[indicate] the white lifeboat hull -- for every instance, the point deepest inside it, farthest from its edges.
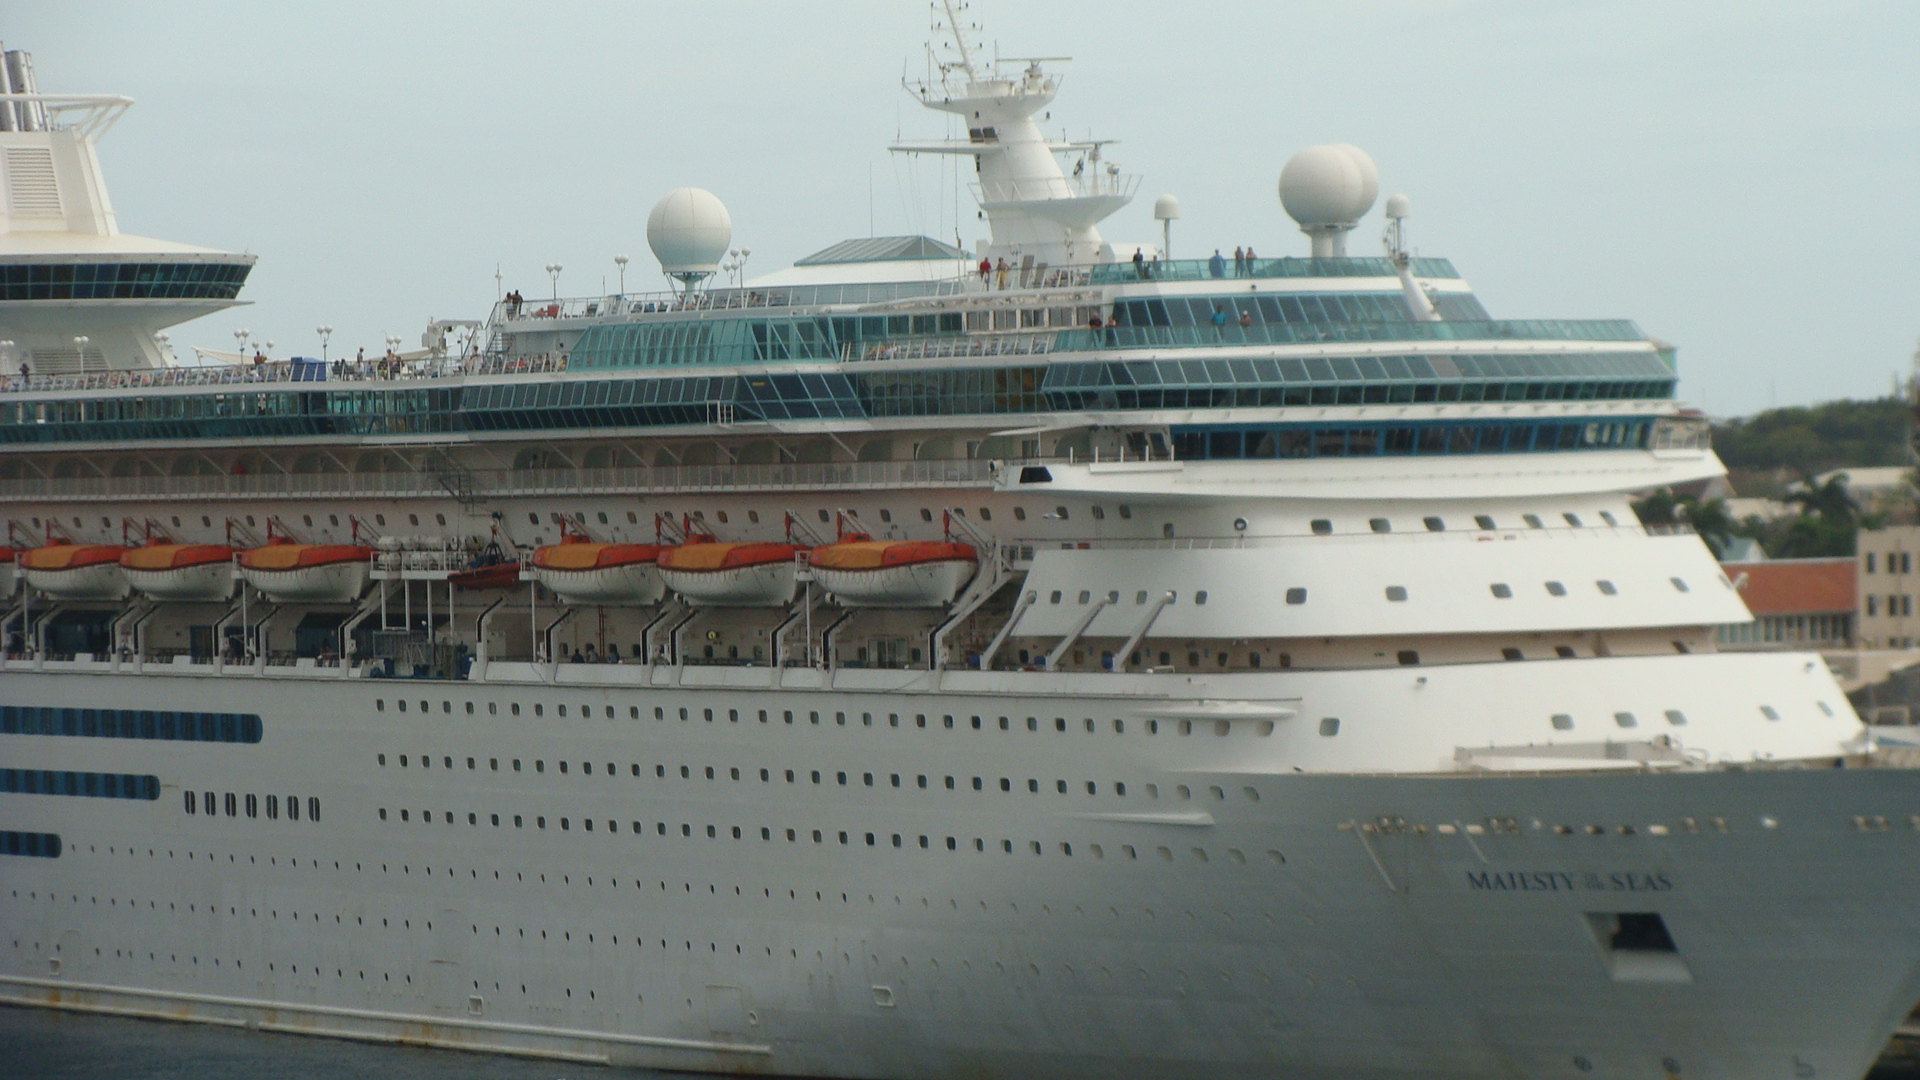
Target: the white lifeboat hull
(765, 585)
(98, 581)
(186, 584)
(926, 584)
(333, 583)
(633, 583)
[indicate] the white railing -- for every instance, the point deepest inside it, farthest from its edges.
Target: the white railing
(486, 483)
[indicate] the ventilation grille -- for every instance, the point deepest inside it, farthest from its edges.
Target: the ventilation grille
(31, 188)
(66, 361)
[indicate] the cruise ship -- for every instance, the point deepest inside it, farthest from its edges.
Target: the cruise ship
(1048, 658)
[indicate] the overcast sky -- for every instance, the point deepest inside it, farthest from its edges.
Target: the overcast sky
(1739, 176)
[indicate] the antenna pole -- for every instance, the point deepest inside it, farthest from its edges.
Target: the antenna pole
(960, 40)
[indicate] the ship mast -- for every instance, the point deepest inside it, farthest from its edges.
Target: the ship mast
(1033, 207)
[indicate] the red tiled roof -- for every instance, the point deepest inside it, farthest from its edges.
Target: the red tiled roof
(1795, 586)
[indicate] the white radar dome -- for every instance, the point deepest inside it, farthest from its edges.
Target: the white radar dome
(1329, 185)
(1398, 207)
(689, 231)
(1166, 208)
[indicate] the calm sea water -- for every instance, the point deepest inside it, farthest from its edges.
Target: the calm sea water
(42, 1044)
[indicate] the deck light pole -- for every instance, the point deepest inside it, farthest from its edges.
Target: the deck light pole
(621, 262)
(240, 338)
(326, 333)
(553, 271)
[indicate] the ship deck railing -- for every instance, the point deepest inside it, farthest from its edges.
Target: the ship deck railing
(506, 483)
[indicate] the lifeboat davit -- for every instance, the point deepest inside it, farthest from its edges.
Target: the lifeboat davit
(582, 572)
(714, 574)
(182, 572)
(310, 573)
(76, 571)
(862, 572)
(9, 570)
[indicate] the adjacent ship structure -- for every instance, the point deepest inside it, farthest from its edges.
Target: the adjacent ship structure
(1027, 661)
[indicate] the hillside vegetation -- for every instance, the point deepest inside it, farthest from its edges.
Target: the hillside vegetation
(1810, 439)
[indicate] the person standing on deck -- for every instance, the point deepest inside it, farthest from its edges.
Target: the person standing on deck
(1217, 266)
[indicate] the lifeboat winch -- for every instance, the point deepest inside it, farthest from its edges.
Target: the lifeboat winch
(863, 572)
(76, 571)
(181, 572)
(310, 573)
(580, 571)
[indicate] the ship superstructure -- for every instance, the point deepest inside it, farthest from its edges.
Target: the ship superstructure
(895, 667)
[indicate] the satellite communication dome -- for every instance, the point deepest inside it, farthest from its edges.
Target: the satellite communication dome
(689, 231)
(1398, 207)
(1166, 208)
(1328, 185)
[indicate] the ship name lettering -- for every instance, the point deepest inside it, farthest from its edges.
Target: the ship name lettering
(1563, 881)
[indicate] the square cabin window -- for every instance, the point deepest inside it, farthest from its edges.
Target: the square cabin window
(1296, 596)
(1533, 521)
(1555, 588)
(1434, 524)
(1397, 593)
(1607, 516)
(1606, 588)
(1485, 521)
(1322, 527)
(1562, 722)
(1572, 519)
(1380, 525)
(1502, 590)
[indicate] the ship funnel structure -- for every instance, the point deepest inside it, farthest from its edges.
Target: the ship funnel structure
(76, 294)
(689, 231)
(1036, 208)
(1327, 189)
(16, 77)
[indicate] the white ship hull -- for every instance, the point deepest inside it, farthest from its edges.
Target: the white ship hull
(1243, 919)
(334, 583)
(927, 584)
(98, 581)
(206, 582)
(630, 584)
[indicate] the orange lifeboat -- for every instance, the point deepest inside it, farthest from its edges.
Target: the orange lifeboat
(76, 571)
(862, 572)
(311, 573)
(580, 571)
(713, 574)
(182, 572)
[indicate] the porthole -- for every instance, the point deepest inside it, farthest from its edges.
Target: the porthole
(1562, 722)
(1485, 521)
(1434, 524)
(926, 514)
(1396, 593)
(1380, 525)
(1200, 597)
(1329, 726)
(1296, 596)
(1020, 513)
(1533, 521)
(1606, 588)
(1625, 719)
(1769, 712)
(1572, 519)
(1502, 590)
(1679, 719)
(1239, 524)
(1555, 588)
(1679, 584)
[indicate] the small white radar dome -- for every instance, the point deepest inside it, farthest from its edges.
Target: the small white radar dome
(1166, 208)
(1329, 185)
(1398, 207)
(689, 231)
